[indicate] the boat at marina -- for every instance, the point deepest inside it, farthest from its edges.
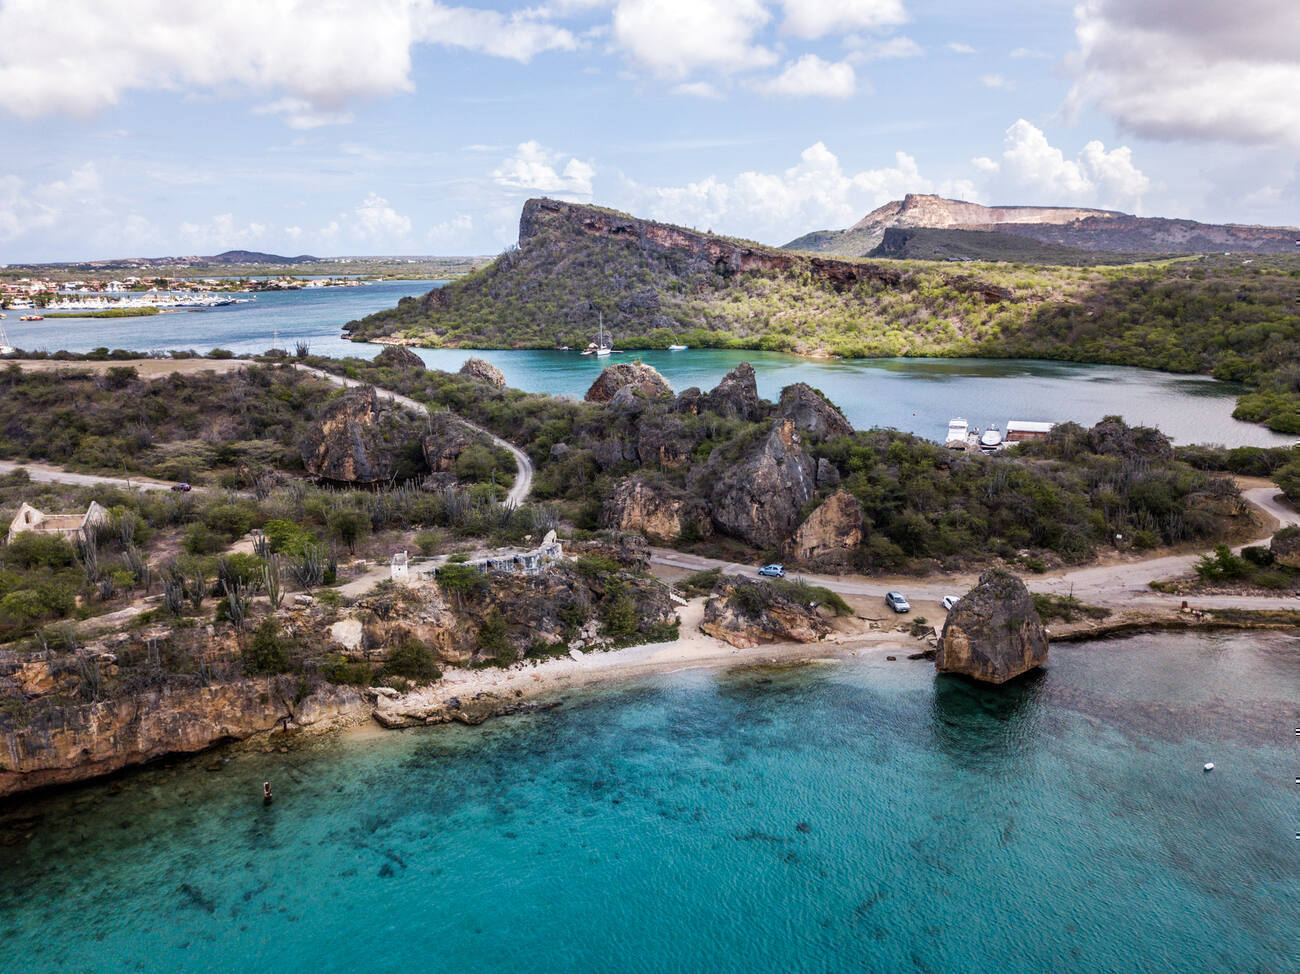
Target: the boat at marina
(958, 430)
(604, 340)
(991, 439)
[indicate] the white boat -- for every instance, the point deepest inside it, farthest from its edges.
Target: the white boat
(604, 340)
(991, 439)
(958, 429)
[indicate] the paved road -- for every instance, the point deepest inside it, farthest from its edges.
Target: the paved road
(523, 484)
(1124, 584)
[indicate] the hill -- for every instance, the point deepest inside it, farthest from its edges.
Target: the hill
(654, 284)
(926, 243)
(255, 257)
(1077, 227)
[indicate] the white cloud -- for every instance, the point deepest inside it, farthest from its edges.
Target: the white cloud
(82, 56)
(816, 18)
(1031, 170)
(895, 47)
(26, 207)
(959, 48)
(697, 89)
(373, 225)
(674, 38)
(811, 76)
(996, 81)
(221, 233)
(301, 114)
(1192, 69)
(536, 169)
(778, 206)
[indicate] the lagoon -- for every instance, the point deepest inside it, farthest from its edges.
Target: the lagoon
(914, 395)
(864, 815)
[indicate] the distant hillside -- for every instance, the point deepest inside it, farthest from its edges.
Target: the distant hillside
(1075, 227)
(254, 257)
(925, 243)
(654, 284)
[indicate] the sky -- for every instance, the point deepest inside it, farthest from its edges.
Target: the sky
(348, 127)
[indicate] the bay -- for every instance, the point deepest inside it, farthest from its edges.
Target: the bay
(915, 395)
(859, 816)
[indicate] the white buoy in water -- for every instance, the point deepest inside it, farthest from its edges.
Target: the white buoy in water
(1209, 766)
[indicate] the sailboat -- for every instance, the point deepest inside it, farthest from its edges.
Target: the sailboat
(677, 348)
(604, 340)
(5, 347)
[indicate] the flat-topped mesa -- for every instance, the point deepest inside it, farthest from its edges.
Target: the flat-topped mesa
(927, 210)
(701, 251)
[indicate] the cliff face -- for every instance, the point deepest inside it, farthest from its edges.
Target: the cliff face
(692, 251)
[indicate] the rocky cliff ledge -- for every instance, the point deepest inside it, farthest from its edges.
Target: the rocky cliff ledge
(994, 634)
(745, 613)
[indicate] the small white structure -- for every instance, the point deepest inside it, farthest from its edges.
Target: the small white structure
(400, 567)
(1019, 430)
(957, 431)
(69, 526)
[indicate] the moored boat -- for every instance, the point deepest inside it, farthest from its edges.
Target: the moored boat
(991, 439)
(958, 429)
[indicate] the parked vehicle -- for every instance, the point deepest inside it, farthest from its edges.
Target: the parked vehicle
(182, 488)
(898, 602)
(772, 571)
(949, 601)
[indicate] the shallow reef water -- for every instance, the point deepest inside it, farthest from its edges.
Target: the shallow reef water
(860, 816)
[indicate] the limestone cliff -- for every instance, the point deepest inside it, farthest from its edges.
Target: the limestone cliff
(642, 380)
(830, 533)
(359, 440)
(758, 497)
(744, 613)
(658, 513)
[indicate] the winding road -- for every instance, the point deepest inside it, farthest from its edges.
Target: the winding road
(523, 484)
(1121, 584)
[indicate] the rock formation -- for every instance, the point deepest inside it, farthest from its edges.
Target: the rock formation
(736, 395)
(636, 505)
(396, 357)
(1286, 547)
(358, 440)
(758, 498)
(993, 634)
(812, 412)
(447, 438)
(830, 533)
(644, 380)
(483, 371)
(744, 613)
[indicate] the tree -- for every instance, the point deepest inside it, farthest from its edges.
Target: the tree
(349, 526)
(1288, 479)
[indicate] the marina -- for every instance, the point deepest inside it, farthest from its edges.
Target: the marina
(962, 436)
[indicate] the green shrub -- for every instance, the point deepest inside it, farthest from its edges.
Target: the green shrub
(267, 651)
(31, 550)
(412, 659)
(494, 639)
(1257, 555)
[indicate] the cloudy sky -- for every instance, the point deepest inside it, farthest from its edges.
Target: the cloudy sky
(152, 127)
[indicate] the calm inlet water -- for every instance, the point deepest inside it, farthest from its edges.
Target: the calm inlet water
(916, 395)
(859, 816)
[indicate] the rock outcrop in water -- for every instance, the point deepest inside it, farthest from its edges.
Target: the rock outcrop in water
(745, 613)
(993, 634)
(359, 440)
(643, 380)
(478, 369)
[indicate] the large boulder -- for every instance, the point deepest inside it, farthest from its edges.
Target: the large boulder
(446, 439)
(736, 395)
(358, 440)
(812, 412)
(758, 497)
(744, 613)
(993, 634)
(637, 505)
(643, 379)
(830, 533)
(396, 357)
(1286, 547)
(1113, 437)
(482, 371)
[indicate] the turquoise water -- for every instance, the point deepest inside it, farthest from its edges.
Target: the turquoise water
(916, 395)
(859, 816)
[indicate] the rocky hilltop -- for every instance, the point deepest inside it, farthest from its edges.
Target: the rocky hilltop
(1059, 226)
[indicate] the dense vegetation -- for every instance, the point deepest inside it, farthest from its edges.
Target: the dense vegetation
(930, 243)
(1235, 319)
